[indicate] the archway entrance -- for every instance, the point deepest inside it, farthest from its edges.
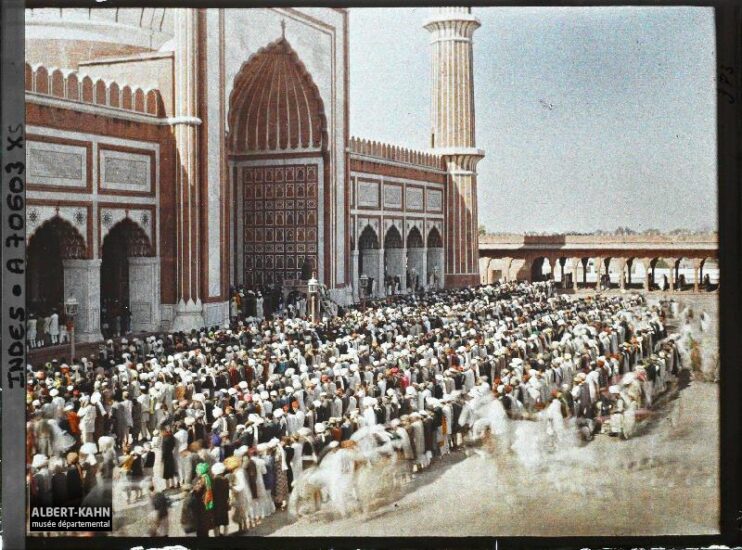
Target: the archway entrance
(125, 241)
(435, 259)
(708, 274)
(278, 146)
(415, 260)
(394, 260)
(541, 269)
(56, 240)
(368, 259)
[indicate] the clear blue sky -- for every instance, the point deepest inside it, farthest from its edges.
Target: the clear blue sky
(630, 139)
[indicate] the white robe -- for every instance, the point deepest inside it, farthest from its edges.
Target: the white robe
(241, 497)
(263, 506)
(54, 325)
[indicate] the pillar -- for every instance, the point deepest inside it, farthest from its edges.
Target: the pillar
(355, 275)
(416, 261)
(575, 263)
(144, 293)
(702, 263)
(507, 264)
(598, 271)
(671, 275)
(371, 261)
(82, 282)
(678, 286)
(452, 137)
(424, 268)
(404, 266)
(696, 274)
(561, 262)
(188, 310)
(647, 265)
(380, 287)
(622, 272)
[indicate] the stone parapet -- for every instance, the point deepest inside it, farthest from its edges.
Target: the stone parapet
(387, 152)
(81, 88)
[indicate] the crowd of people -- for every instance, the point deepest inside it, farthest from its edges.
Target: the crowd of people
(48, 329)
(277, 412)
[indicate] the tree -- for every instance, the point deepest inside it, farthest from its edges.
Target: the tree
(624, 231)
(482, 230)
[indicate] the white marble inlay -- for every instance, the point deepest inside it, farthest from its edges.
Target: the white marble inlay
(368, 193)
(392, 196)
(125, 171)
(56, 164)
(435, 200)
(414, 198)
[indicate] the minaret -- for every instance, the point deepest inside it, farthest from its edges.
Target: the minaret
(452, 117)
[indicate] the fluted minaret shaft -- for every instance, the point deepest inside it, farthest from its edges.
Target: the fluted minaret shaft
(187, 200)
(453, 136)
(452, 107)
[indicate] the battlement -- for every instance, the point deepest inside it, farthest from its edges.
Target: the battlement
(73, 86)
(394, 153)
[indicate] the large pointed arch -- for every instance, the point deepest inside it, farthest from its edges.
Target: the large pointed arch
(131, 236)
(278, 140)
(368, 239)
(49, 245)
(275, 104)
(434, 238)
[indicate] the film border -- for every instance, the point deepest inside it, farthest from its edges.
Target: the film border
(729, 124)
(13, 279)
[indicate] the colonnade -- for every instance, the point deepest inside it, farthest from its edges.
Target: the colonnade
(406, 264)
(572, 272)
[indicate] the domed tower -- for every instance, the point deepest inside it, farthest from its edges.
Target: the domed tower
(452, 137)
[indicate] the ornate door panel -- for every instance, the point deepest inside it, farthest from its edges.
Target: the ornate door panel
(280, 221)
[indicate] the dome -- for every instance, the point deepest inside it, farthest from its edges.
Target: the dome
(65, 37)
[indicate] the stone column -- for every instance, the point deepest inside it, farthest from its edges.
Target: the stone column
(562, 261)
(442, 272)
(700, 269)
(671, 275)
(622, 273)
(678, 286)
(381, 288)
(188, 310)
(403, 267)
(416, 261)
(553, 266)
(507, 263)
(371, 261)
(647, 265)
(354, 259)
(696, 274)
(598, 271)
(82, 282)
(144, 293)
(424, 268)
(575, 263)
(452, 136)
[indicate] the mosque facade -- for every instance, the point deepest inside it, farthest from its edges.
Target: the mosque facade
(175, 154)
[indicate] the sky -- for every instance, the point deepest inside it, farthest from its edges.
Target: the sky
(590, 118)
